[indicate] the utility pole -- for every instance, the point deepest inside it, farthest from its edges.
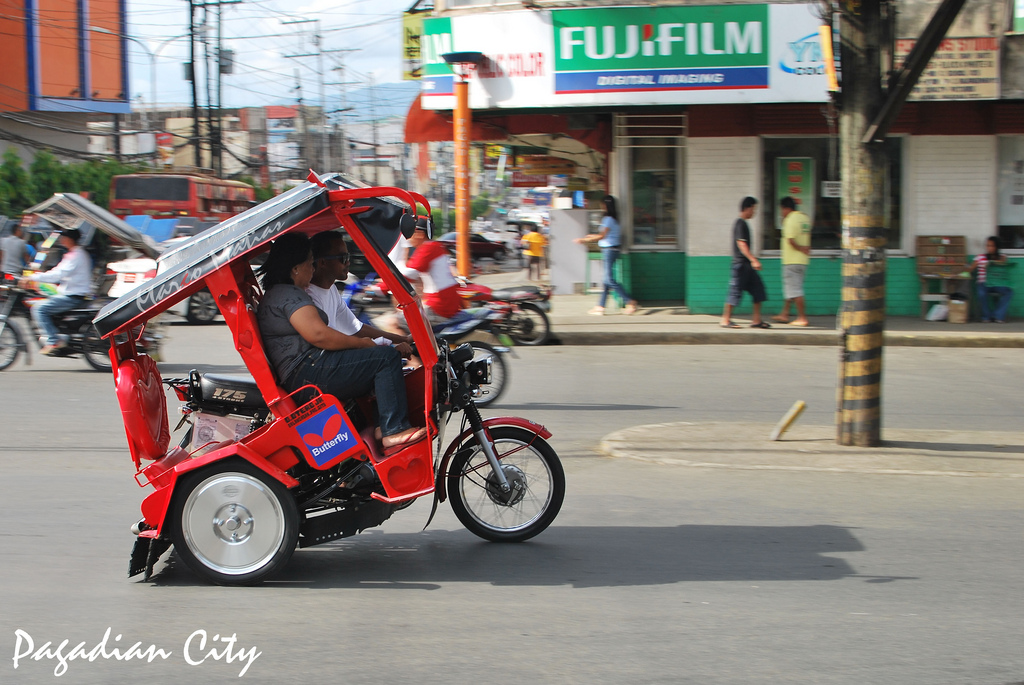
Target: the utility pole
(862, 318)
(322, 157)
(343, 107)
(195, 87)
(373, 110)
(866, 115)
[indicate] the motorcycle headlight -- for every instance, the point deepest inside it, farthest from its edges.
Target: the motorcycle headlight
(480, 371)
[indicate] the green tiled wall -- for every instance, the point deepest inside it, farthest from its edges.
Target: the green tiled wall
(707, 281)
(655, 276)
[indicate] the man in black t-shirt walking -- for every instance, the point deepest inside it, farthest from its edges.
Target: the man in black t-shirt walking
(744, 270)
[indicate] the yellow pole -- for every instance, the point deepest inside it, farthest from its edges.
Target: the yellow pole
(462, 126)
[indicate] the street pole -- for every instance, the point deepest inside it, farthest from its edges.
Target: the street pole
(862, 317)
(462, 126)
(198, 158)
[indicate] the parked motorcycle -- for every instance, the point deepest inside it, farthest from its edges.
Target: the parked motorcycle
(264, 470)
(83, 339)
(525, 306)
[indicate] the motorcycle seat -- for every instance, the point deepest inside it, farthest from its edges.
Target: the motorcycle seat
(518, 293)
(232, 391)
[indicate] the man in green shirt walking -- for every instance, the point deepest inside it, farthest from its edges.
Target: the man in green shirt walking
(796, 250)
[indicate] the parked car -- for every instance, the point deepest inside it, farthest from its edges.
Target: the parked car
(479, 246)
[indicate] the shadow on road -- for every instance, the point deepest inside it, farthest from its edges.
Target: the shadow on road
(566, 406)
(580, 556)
(953, 446)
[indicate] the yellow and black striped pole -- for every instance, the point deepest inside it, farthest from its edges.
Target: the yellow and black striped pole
(864, 176)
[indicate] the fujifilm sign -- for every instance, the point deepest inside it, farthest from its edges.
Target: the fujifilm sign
(636, 55)
(673, 48)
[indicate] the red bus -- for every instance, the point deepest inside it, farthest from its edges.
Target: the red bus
(172, 195)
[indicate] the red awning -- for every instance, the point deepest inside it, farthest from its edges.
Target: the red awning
(424, 125)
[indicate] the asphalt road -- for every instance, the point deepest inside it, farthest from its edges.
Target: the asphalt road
(650, 574)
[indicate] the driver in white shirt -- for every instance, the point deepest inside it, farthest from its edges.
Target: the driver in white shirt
(73, 277)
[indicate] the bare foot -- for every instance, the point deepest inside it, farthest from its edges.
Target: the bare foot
(408, 436)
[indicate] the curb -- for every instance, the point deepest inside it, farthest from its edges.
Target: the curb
(823, 339)
(739, 447)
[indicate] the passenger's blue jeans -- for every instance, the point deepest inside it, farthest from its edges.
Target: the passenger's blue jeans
(609, 255)
(1004, 293)
(44, 312)
(348, 374)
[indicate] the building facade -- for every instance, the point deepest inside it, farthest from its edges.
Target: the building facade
(685, 109)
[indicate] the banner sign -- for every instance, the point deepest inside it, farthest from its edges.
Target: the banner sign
(661, 48)
(521, 180)
(412, 29)
(960, 69)
(794, 177)
(630, 56)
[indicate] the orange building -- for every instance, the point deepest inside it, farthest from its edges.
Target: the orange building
(53, 60)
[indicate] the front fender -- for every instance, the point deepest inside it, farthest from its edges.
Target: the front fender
(441, 484)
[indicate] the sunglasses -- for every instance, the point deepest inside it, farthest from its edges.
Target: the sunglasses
(343, 258)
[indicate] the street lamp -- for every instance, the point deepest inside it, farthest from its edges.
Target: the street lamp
(462, 64)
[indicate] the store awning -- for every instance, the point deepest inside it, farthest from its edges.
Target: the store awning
(424, 125)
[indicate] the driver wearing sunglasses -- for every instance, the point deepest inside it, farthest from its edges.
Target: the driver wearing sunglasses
(330, 264)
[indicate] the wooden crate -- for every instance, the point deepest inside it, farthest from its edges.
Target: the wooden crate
(941, 255)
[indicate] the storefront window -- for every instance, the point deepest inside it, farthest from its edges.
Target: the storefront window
(1011, 192)
(807, 169)
(655, 205)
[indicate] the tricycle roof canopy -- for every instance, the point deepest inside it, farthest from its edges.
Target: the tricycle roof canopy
(304, 208)
(78, 207)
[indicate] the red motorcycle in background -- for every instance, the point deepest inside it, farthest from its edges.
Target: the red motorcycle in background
(525, 306)
(260, 471)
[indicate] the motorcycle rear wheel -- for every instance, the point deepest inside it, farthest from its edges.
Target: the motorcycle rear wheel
(95, 349)
(532, 469)
(10, 345)
(530, 325)
(499, 372)
(233, 524)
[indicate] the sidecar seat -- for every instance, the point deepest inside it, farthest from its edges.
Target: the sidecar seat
(140, 394)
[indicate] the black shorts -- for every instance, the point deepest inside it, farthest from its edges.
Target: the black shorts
(745, 278)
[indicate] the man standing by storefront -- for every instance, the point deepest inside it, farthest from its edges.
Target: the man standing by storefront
(744, 270)
(796, 250)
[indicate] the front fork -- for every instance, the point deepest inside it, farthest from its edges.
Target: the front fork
(483, 437)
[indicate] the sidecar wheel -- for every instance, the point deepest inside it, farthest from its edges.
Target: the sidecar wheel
(532, 469)
(234, 524)
(202, 308)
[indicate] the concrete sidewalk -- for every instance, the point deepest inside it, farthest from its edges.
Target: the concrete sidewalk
(675, 325)
(814, 448)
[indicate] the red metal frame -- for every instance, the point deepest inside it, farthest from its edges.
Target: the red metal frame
(273, 447)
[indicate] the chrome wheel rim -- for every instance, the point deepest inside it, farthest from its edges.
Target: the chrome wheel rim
(233, 523)
(528, 474)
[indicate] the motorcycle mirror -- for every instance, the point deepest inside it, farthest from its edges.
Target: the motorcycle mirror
(407, 225)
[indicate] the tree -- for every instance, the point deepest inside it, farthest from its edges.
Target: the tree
(48, 176)
(15, 191)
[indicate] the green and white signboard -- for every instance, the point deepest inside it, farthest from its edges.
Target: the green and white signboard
(640, 55)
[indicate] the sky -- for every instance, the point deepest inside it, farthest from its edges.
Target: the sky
(259, 33)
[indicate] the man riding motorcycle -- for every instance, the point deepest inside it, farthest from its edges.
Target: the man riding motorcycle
(73, 276)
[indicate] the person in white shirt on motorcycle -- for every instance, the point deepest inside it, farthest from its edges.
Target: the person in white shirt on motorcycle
(73, 276)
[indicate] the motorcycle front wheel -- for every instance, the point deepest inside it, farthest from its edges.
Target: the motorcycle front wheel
(530, 466)
(95, 349)
(233, 524)
(10, 345)
(529, 325)
(499, 372)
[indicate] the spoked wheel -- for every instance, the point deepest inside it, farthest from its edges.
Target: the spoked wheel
(202, 309)
(533, 470)
(499, 372)
(95, 349)
(234, 524)
(529, 325)
(10, 345)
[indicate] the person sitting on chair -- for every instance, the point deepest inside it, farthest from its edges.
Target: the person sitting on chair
(304, 350)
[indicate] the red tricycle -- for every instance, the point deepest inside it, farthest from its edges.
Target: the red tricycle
(261, 470)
